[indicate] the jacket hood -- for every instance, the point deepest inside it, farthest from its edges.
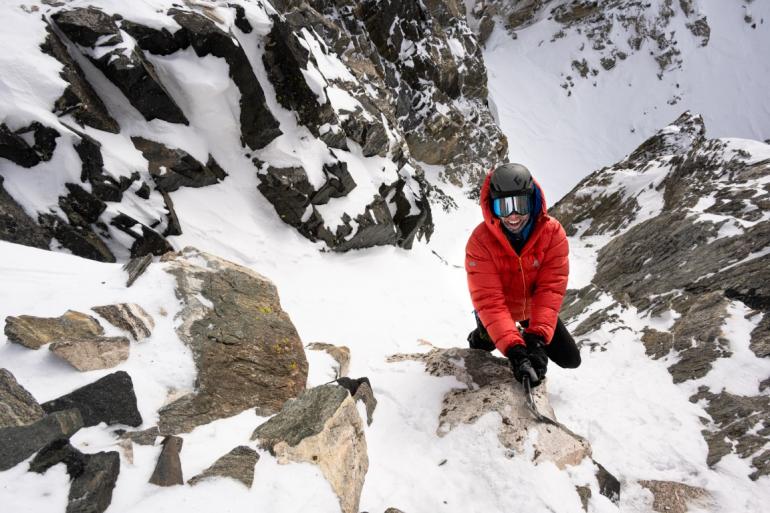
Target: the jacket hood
(493, 222)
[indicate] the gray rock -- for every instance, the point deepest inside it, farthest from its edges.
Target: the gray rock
(135, 267)
(34, 332)
(168, 470)
(91, 492)
(16, 149)
(81, 241)
(16, 226)
(18, 443)
(59, 451)
(110, 400)
(237, 464)
(361, 390)
(491, 387)
(609, 486)
(129, 317)
(17, 406)
(172, 168)
(322, 427)
(585, 495)
(247, 351)
(341, 355)
(146, 240)
(87, 354)
(145, 437)
(672, 497)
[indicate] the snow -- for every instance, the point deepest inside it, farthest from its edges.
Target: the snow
(384, 300)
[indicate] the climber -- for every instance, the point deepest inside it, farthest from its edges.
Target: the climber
(517, 265)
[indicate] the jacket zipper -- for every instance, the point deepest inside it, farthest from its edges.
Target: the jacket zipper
(524, 281)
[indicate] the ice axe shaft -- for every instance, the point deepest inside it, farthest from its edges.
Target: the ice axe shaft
(526, 377)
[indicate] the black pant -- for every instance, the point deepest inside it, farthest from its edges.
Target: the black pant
(562, 350)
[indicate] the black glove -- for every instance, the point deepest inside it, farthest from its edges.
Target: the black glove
(536, 354)
(521, 366)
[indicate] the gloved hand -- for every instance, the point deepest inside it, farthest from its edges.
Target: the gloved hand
(536, 354)
(521, 366)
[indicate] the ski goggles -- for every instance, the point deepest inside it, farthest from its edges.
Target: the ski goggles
(503, 207)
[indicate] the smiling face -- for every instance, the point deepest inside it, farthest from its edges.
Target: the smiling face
(515, 222)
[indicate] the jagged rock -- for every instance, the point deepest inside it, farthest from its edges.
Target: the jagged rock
(146, 240)
(14, 148)
(145, 437)
(321, 427)
(91, 492)
(17, 406)
(135, 267)
(103, 186)
(174, 227)
(79, 98)
(168, 470)
(609, 486)
(59, 451)
(129, 317)
(34, 332)
(81, 241)
(341, 355)
(672, 497)
(491, 387)
(127, 68)
(289, 190)
(584, 492)
(734, 428)
(375, 227)
(110, 399)
(258, 126)
(80, 206)
(237, 464)
(16, 226)
(172, 168)
(87, 354)
(361, 390)
(17, 443)
(247, 351)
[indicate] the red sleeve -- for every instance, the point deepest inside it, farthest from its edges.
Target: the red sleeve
(550, 286)
(487, 296)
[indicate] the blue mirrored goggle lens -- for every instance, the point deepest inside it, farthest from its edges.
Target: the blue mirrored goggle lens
(503, 207)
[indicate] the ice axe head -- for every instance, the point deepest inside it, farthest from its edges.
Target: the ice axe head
(528, 374)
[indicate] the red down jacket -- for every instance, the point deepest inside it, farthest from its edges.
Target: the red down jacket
(506, 287)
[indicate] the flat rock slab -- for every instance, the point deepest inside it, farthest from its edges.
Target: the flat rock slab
(168, 470)
(87, 354)
(129, 317)
(20, 442)
(492, 388)
(237, 464)
(110, 399)
(17, 406)
(322, 427)
(246, 350)
(91, 492)
(35, 332)
(673, 497)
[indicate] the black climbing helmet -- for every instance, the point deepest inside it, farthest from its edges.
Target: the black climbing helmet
(510, 180)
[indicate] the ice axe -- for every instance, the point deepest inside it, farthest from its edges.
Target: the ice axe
(528, 375)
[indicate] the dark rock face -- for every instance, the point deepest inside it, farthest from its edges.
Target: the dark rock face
(18, 443)
(14, 148)
(81, 241)
(110, 399)
(129, 70)
(16, 226)
(246, 349)
(172, 168)
(168, 471)
(237, 464)
(79, 98)
(258, 126)
(91, 492)
(59, 451)
(17, 406)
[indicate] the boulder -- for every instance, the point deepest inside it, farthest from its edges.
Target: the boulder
(168, 470)
(16, 226)
(110, 399)
(17, 406)
(322, 427)
(59, 451)
(87, 354)
(172, 168)
(341, 355)
(492, 388)
(35, 332)
(237, 464)
(247, 351)
(17, 443)
(91, 491)
(81, 241)
(16, 149)
(146, 240)
(672, 497)
(361, 390)
(129, 317)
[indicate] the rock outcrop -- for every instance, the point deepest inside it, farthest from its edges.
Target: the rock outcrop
(18, 443)
(322, 427)
(17, 406)
(129, 317)
(247, 351)
(672, 497)
(237, 464)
